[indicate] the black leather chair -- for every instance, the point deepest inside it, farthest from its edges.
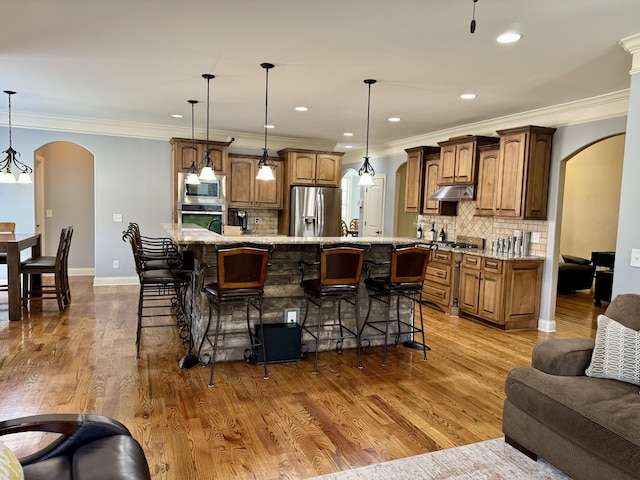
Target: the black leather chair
(340, 268)
(575, 273)
(242, 270)
(408, 266)
(90, 447)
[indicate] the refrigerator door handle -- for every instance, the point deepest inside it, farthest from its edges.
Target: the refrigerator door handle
(320, 214)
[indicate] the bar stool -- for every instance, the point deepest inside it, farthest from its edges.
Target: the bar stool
(405, 279)
(163, 284)
(6, 227)
(340, 268)
(242, 269)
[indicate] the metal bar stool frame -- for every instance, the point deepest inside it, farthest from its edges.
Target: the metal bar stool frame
(163, 284)
(237, 284)
(408, 266)
(338, 280)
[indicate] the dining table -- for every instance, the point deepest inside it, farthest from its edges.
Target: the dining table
(12, 244)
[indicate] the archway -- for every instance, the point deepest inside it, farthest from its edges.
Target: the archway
(64, 195)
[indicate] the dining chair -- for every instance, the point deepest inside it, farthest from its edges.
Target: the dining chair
(338, 279)
(52, 265)
(408, 265)
(6, 227)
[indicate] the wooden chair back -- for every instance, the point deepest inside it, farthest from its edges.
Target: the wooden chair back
(341, 265)
(409, 264)
(7, 227)
(242, 267)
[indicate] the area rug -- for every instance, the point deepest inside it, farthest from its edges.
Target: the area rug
(490, 460)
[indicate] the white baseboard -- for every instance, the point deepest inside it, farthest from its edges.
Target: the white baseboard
(80, 272)
(546, 325)
(111, 281)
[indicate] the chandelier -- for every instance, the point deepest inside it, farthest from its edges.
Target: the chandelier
(6, 176)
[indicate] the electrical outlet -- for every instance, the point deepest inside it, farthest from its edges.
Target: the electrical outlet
(257, 220)
(116, 264)
(117, 217)
(635, 257)
(535, 237)
(291, 315)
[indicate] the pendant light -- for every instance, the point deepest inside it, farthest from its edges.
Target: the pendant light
(265, 165)
(207, 172)
(192, 173)
(367, 172)
(6, 176)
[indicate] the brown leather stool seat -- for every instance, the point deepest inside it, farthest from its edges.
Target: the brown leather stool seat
(408, 266)
(242, 270)
(339, 271)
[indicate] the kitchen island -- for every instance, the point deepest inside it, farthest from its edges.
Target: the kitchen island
(282, 286)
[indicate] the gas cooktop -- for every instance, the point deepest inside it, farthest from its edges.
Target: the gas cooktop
(462, 242)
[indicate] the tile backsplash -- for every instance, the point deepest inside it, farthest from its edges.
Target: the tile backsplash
(489, 228)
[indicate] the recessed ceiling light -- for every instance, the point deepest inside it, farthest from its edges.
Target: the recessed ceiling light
(348, 134)
(394, 119)
(269, 126)
(468, 96)
(301, 109)
(176, 115)
(348, 146)
(509, 37)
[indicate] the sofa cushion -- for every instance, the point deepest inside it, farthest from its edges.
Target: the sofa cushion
(616, 353)
(625, 309)
(599, 415)
(10, 468)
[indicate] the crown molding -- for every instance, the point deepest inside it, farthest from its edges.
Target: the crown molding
(632, 45)
(610, 105)
(93, 126)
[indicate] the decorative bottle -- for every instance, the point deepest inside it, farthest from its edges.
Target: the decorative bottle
(419, 232)
(441, 235)
(432, 233)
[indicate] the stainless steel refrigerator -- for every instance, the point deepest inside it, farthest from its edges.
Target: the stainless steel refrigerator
(315, 212)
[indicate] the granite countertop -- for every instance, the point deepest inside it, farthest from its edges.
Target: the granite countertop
(185, 234)
(489, 254)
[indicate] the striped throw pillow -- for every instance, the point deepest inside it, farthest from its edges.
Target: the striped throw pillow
(10, 468)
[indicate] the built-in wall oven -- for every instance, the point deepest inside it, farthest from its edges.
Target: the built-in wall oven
(206, 215)
(202, 204)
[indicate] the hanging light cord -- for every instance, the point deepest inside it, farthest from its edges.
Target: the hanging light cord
(193, 138)
(207, 158)
(266, 66)
(366, 153)
(473, 18)
(9, 93)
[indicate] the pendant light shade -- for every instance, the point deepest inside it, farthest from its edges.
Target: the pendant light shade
(192, 173)
(265, 165)
(207, 172)
(11, 160)
(367, 172)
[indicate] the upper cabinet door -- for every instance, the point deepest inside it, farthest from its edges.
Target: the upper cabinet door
(414, 182)
(240, 182)
(487, 179)
(511, 175)
(268, 193)
(447, 165)
(303, 168)
(218, 155)
(328, 169)
(465, 163)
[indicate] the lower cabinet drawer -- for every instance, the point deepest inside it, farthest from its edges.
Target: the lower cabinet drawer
(438, 273)
(436, 293)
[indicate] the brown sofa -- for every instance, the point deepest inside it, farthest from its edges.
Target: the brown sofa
(587, 427)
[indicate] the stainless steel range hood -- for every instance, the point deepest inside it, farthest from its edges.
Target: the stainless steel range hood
(453, 193)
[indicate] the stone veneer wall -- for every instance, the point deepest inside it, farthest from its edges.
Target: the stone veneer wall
(489, 228)
(282, 290)
(267, 222)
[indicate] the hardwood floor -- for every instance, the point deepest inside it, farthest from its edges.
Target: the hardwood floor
(294, 425)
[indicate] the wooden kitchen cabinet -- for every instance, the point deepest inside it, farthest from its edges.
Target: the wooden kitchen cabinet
(438, 281)
(487, 179)
(458, 159)
(503, 292)
(307, 167)
(245, 191)
(183, 154)
(422, 182)
(523, 172)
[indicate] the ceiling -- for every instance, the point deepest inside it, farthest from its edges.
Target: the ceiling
(138, 62)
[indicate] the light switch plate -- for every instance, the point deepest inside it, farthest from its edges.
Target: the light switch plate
(635, 257)
(117, 217)
(535, 237)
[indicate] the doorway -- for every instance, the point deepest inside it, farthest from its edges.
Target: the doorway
(373, 214)
(64, 195)
(351, 201)
(590, 204)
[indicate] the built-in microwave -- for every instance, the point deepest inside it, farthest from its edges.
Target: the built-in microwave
(207, 191)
